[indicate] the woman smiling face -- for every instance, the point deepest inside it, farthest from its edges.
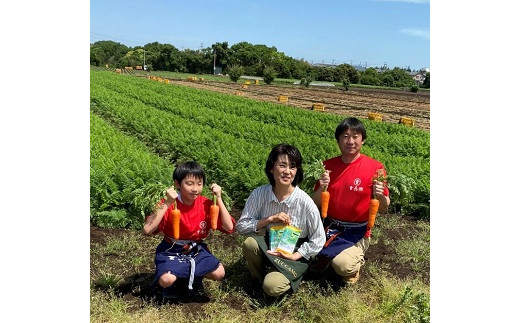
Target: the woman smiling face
(283, 171)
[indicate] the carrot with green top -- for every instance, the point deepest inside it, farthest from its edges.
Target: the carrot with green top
(374, 206)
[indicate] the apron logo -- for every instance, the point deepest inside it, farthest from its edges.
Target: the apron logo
(281, 263)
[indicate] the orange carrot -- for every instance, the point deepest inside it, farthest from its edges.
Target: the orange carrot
(213, 213)
(374, 205)
(372, 212)
(176, 220)
(325, 198)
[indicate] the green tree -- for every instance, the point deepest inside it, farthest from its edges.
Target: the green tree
(347, 70)
(169, 58)
(426, 82)
(387, 79)
(282, 65)
(222, 55)
(96, 56)
(133, 57)
(306, 80)
(269, 75)
(107, 52)
(253, 58)
(326, 74)
(198, 61)
(370, 77)
(346, 83)
(402, 78)
(235, 72)
(299, 68)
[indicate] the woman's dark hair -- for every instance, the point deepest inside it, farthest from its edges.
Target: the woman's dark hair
(354, 125)
(188, 168)
(295, 158)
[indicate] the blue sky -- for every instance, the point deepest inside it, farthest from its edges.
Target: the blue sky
(358, 32)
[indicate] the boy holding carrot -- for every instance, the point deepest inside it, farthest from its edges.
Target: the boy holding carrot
(187, 256)
(354, 182)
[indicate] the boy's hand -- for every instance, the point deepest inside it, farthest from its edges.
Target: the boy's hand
(171, 195)
(217, 190)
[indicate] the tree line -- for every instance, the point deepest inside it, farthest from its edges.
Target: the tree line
(243, 59)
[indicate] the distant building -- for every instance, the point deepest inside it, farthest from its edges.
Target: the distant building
(323, 65)
(420, 76)
(360, 68)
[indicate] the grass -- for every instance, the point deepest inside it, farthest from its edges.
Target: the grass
(415, 250)
(126, 259)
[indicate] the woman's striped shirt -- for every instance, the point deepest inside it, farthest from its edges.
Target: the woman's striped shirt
(304, 214)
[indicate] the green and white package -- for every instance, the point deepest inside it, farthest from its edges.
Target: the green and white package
(275, 235)
(289, 239)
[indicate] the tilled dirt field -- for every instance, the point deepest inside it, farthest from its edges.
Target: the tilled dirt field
(392, 104)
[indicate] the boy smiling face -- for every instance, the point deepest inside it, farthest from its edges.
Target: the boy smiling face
(190, 187)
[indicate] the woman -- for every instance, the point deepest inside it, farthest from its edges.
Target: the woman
(280, 203)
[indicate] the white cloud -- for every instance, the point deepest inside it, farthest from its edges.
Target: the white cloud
(416, 32)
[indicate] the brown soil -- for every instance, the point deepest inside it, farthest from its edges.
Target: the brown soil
(136, 289)
(357, 102)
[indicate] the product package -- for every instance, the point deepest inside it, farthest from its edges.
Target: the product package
(275, 235)
(288, 239)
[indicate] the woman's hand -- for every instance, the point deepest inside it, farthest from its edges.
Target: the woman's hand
(279, 217)
(292, 256)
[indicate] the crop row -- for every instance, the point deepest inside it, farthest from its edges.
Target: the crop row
(394, 139)
(121, 169)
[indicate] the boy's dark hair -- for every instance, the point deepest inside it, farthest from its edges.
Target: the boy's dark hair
(188, 168)
(354, 125)
(295, 158)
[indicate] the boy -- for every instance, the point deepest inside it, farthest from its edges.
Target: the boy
(188, 256)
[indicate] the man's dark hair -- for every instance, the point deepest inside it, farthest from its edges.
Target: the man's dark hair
(354, 125)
